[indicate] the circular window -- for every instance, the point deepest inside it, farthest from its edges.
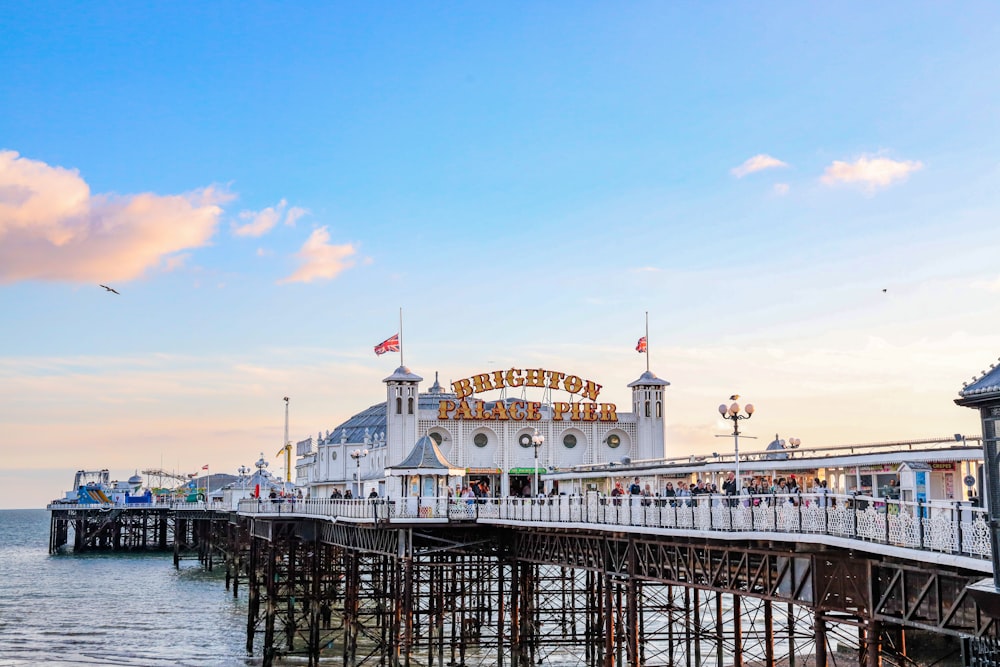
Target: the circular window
(570, 441)
(436, 437)
(480, 440)
(524, 440)
(614, 441)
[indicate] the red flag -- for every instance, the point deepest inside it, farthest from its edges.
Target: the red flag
(388, 345)
(640, 347)
(205, 467)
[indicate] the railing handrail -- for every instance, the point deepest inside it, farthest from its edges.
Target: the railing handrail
(953, 527)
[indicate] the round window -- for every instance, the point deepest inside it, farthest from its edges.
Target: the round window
(614, 441)
(570, 441)
(480, 440)
(436, 437)
(524, 440)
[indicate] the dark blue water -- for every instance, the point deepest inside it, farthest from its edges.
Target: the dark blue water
(130, 610)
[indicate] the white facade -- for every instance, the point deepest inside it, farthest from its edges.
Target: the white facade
(499, 451)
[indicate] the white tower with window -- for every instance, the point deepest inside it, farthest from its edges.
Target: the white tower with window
(401, 408)
(647, 404)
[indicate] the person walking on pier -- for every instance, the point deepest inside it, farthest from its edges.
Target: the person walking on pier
(730, 489)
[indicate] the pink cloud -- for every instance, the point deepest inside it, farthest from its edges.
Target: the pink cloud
(871, 173)
(53, 228)
(318, 259)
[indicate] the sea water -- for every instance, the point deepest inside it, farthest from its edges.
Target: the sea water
(111, 609)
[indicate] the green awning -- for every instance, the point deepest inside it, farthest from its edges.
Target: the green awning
(526, 471)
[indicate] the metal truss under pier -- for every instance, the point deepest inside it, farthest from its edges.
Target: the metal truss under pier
(521, 595)
(197, 533)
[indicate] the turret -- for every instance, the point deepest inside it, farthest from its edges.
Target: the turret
(401, 408)
(647, 404)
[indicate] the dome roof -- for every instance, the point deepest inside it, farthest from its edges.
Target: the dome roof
(649, 379)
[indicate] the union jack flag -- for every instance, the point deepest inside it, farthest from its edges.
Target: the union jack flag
(640, 347)
(388, 345)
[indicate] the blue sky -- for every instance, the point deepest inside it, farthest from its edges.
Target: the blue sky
(267, 184)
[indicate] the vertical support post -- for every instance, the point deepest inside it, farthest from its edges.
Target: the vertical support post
(819, 624)
(738, 630)
(768, 634)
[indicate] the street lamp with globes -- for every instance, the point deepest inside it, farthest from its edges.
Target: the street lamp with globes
(357, 455)
(732, 412)
(537, 440)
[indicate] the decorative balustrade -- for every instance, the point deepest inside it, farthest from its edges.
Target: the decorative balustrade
(939, 526)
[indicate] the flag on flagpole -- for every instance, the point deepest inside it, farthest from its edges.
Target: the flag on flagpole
(205, 467)
(388, 345)
(640, 347)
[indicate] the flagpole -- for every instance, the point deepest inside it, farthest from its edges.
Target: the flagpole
(401, 336)
(647, 341)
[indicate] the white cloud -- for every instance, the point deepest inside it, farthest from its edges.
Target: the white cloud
(294, 213)
(757, 163)
(53, 228)
(261, 222)
(781, 189)
(871, 173)
(319, 259)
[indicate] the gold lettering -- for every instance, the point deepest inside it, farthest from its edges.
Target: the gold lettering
(516, 410)
(590, 412)
(513, 377)
(462, 410)
(444, 407)
(498, 379)
(558, 408)
(500, 411)
(481, 382)
(462, 388)
(591, 390)
(480, 413)
(534, 411)
(573, 384)
(575, 414)
(554, 377)
(609, 412)
(536, 377)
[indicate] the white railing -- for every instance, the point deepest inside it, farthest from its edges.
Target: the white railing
(939, 526)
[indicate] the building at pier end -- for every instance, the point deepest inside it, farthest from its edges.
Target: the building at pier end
(502, 427)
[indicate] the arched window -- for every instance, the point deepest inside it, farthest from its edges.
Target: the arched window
(647, 409)
(659, 409)
(399, 405)
(409, 405)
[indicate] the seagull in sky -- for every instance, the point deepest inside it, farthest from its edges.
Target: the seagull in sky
(884, 290)
(110, 289)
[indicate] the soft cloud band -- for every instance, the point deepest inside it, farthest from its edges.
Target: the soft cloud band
(321, 260)
(757, 163)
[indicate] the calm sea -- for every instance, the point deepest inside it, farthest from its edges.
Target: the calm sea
(110, 609)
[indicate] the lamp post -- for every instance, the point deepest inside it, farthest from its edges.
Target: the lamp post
(357, 455)
(732, 412)
(537, 440)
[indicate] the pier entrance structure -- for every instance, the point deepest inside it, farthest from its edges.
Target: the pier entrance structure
(574, 581)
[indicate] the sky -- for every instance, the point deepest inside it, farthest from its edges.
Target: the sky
(803, 197)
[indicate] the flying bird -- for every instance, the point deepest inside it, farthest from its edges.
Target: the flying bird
(110, 289)
(734, 397)
(884, 290)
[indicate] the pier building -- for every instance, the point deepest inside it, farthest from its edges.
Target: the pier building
(503, 427)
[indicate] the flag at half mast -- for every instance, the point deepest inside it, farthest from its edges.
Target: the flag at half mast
(390, 344)
(640, 347)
